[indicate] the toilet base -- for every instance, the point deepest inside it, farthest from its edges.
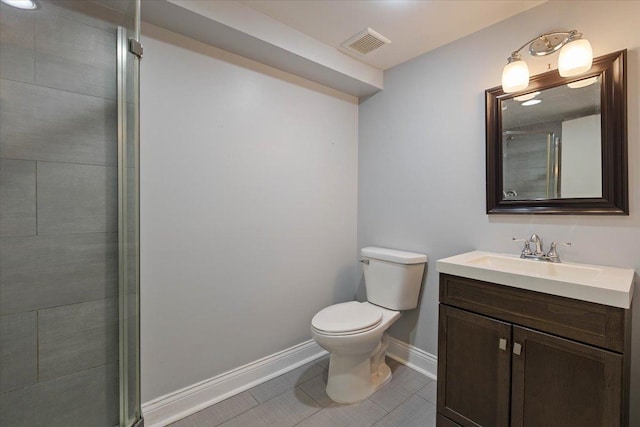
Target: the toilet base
(341, 393)
(353, 378)
(381, 378)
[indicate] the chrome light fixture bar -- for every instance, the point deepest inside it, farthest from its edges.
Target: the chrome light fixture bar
(576, 57)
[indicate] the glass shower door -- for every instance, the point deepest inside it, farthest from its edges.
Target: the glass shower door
(531, 163)
(69, 214)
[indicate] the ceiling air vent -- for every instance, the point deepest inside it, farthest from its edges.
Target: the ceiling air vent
(365, 42)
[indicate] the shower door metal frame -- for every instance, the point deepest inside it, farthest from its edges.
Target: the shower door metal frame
(128, 287)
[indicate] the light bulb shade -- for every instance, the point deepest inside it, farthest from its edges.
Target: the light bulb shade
(575, 58)
(515, 76)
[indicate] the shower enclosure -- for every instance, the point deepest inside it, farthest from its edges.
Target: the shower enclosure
(69, 269)
(531, 163)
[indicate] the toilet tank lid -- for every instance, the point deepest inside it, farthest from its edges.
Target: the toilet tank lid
(393, 255)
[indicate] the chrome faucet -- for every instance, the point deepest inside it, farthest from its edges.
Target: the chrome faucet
(536, 240)
(538, 254)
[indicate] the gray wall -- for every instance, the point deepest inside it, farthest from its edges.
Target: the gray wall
(421, 158)
(58, 219)
(248, 209)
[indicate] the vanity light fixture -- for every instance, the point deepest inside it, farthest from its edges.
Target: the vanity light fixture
(576, 57)
(21, 4)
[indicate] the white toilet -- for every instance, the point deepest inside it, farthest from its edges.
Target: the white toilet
(355, 333)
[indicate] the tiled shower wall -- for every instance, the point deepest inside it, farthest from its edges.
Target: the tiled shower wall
(58, 219)
(528, 178)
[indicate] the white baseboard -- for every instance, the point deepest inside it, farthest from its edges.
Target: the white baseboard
(176, 405)
(413, 357)
(171, 407)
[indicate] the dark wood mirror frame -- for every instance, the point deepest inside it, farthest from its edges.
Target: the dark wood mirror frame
(615, 194)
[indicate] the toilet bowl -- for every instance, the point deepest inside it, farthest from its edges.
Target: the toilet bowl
(355, 333)
(357, 365)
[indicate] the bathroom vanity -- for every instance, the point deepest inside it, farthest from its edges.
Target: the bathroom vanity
(525, 343)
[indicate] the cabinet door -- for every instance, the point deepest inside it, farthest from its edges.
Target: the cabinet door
(474, 368)
(563, 383)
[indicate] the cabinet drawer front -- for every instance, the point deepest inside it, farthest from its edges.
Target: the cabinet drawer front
(591, 323)
(573, 384)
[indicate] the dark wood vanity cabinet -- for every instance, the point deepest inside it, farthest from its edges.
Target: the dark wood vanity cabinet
(513, 357)
(477, 377)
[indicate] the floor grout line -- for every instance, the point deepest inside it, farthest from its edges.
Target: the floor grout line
(386, 412)
(243, 412)
(320, 408)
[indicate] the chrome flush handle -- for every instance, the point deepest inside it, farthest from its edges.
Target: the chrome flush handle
(365, 261)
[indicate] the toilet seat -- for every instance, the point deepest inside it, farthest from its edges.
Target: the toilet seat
(347, 318)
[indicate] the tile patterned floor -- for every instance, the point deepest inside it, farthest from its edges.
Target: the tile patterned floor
(298, 398)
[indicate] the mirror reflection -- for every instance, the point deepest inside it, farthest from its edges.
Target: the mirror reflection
(551, 143)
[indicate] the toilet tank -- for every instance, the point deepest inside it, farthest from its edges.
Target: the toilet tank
(393, 278)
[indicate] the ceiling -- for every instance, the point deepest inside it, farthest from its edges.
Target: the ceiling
(413, 26)
(557, 104)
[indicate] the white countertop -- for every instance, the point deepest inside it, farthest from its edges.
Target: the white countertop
(594, 283)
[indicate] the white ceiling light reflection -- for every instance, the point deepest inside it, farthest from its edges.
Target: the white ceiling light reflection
(531, 102)
(21, 4)
(528, 96)
(583, 83)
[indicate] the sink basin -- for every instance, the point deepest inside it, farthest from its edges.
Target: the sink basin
(563, 272)
(594, 283)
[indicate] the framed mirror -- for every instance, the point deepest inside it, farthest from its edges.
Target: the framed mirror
(560, 145)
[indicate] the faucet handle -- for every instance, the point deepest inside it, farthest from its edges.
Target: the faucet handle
(526, 250)
(554, 244)
(553, 253)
